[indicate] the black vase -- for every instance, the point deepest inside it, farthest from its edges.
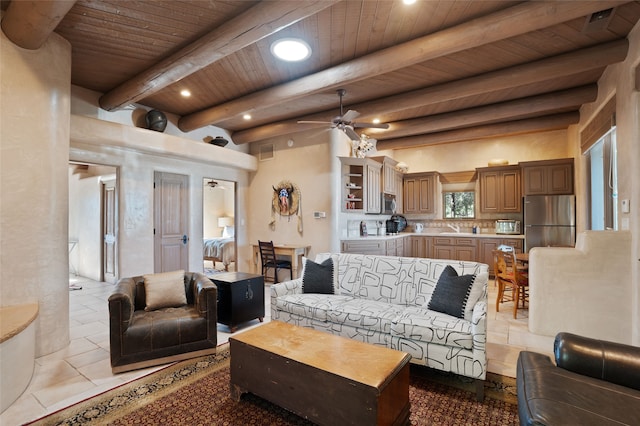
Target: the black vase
(156, 120)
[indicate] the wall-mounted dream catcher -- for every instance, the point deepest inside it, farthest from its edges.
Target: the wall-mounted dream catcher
(286, 202)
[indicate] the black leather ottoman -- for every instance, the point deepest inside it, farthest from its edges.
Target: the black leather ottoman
(551, 395)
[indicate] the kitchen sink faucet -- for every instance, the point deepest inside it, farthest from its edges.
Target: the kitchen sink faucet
(454, 227)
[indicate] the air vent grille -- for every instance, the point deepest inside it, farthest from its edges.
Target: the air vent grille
(266, 152)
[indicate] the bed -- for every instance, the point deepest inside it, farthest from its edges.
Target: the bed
(221, 250)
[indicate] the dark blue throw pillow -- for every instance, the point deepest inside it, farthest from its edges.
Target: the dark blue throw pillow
(318, 277)
(451, 293)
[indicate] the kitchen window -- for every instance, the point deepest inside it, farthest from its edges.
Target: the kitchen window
(459, 205)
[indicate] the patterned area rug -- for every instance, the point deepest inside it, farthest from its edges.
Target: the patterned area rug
(197, 392)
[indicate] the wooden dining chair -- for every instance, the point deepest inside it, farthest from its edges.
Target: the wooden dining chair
(270, 261)
(510, 276)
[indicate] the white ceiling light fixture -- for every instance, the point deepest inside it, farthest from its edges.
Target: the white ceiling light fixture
(408, 1)
(185, 93)
(247, 116)
(291, 49)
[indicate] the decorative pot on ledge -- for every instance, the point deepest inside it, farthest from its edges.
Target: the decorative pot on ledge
(156, 120)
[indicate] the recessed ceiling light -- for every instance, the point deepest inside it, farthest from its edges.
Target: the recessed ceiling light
(291, 49)
(247, 116)
(185, 93)
(376, 121)
(408, 1)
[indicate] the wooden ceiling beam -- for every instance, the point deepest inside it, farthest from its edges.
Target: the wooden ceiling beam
(528, 107)
(520, 75)
(262, 20)
(531, 125)
(519, 19)
(29, 24)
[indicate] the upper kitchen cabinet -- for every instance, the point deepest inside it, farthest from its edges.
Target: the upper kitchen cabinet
(389, 173)
(399, 193)
(548, 177)
(360, 185)
(500, 190)
(420, 192)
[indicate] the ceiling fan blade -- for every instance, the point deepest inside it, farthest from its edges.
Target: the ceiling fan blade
(350, 115)
(370, 125)
(351, 133)
(313, 122)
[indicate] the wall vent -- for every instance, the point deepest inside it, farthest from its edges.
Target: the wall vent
(598, 21)
(266, 152)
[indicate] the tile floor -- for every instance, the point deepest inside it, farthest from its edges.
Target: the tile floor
(82, 369)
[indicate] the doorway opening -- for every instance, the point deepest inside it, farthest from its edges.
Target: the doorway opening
(218, 225)
(93, 221)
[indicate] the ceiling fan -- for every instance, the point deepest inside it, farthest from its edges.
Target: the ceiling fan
(345, 121)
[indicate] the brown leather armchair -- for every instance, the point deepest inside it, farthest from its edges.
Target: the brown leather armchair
(593, 382)
(140, 338)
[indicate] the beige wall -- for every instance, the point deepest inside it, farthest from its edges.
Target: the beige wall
(101, 142)
(34, 151)
(470, 155)
(310, 163)
(619, 80)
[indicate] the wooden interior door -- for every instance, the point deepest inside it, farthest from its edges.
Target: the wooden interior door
(170, 222)
(109, 232)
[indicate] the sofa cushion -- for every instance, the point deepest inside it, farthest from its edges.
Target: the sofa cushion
(367, 314)
(478, 289)
(420, 323)
(451, 293)
(310, 305)
(318, 277)
(164, 290)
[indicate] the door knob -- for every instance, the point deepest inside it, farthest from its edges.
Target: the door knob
(184, 239)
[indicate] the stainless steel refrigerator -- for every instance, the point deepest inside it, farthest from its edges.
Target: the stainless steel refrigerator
(549, 221)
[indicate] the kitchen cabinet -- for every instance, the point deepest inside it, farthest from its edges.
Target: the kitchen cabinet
(399, 193)
(385, 247)
(455, 248)
(378, 247)
(420, 192)
(487, 245)
(360, 185)
(395, 247)
(419, 246)
(548, 177)
(389, 172)
(373, 200)
(500, 190)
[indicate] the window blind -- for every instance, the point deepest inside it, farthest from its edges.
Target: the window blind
(599, 125)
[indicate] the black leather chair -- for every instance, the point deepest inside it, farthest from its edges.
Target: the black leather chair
(594, 382)
(270, 261)
(140, 338)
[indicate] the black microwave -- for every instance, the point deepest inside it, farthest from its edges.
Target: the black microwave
(389, 205)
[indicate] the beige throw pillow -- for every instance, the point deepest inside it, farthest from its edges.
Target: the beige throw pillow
(164, 290)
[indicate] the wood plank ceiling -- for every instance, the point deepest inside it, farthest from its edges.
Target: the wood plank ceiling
(436, 71)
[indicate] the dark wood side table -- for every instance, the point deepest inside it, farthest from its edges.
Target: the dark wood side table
(240, 298)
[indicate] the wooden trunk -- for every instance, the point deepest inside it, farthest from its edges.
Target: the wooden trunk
(324, 378)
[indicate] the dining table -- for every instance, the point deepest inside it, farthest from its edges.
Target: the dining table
(522, 257)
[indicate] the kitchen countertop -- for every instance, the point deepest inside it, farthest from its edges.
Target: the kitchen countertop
(431, 234)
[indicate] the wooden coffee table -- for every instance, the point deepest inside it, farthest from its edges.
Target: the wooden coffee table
(327, 379)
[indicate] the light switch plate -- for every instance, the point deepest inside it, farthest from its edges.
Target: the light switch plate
(624, 206)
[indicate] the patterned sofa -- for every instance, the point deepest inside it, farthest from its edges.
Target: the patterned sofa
(381, 300)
